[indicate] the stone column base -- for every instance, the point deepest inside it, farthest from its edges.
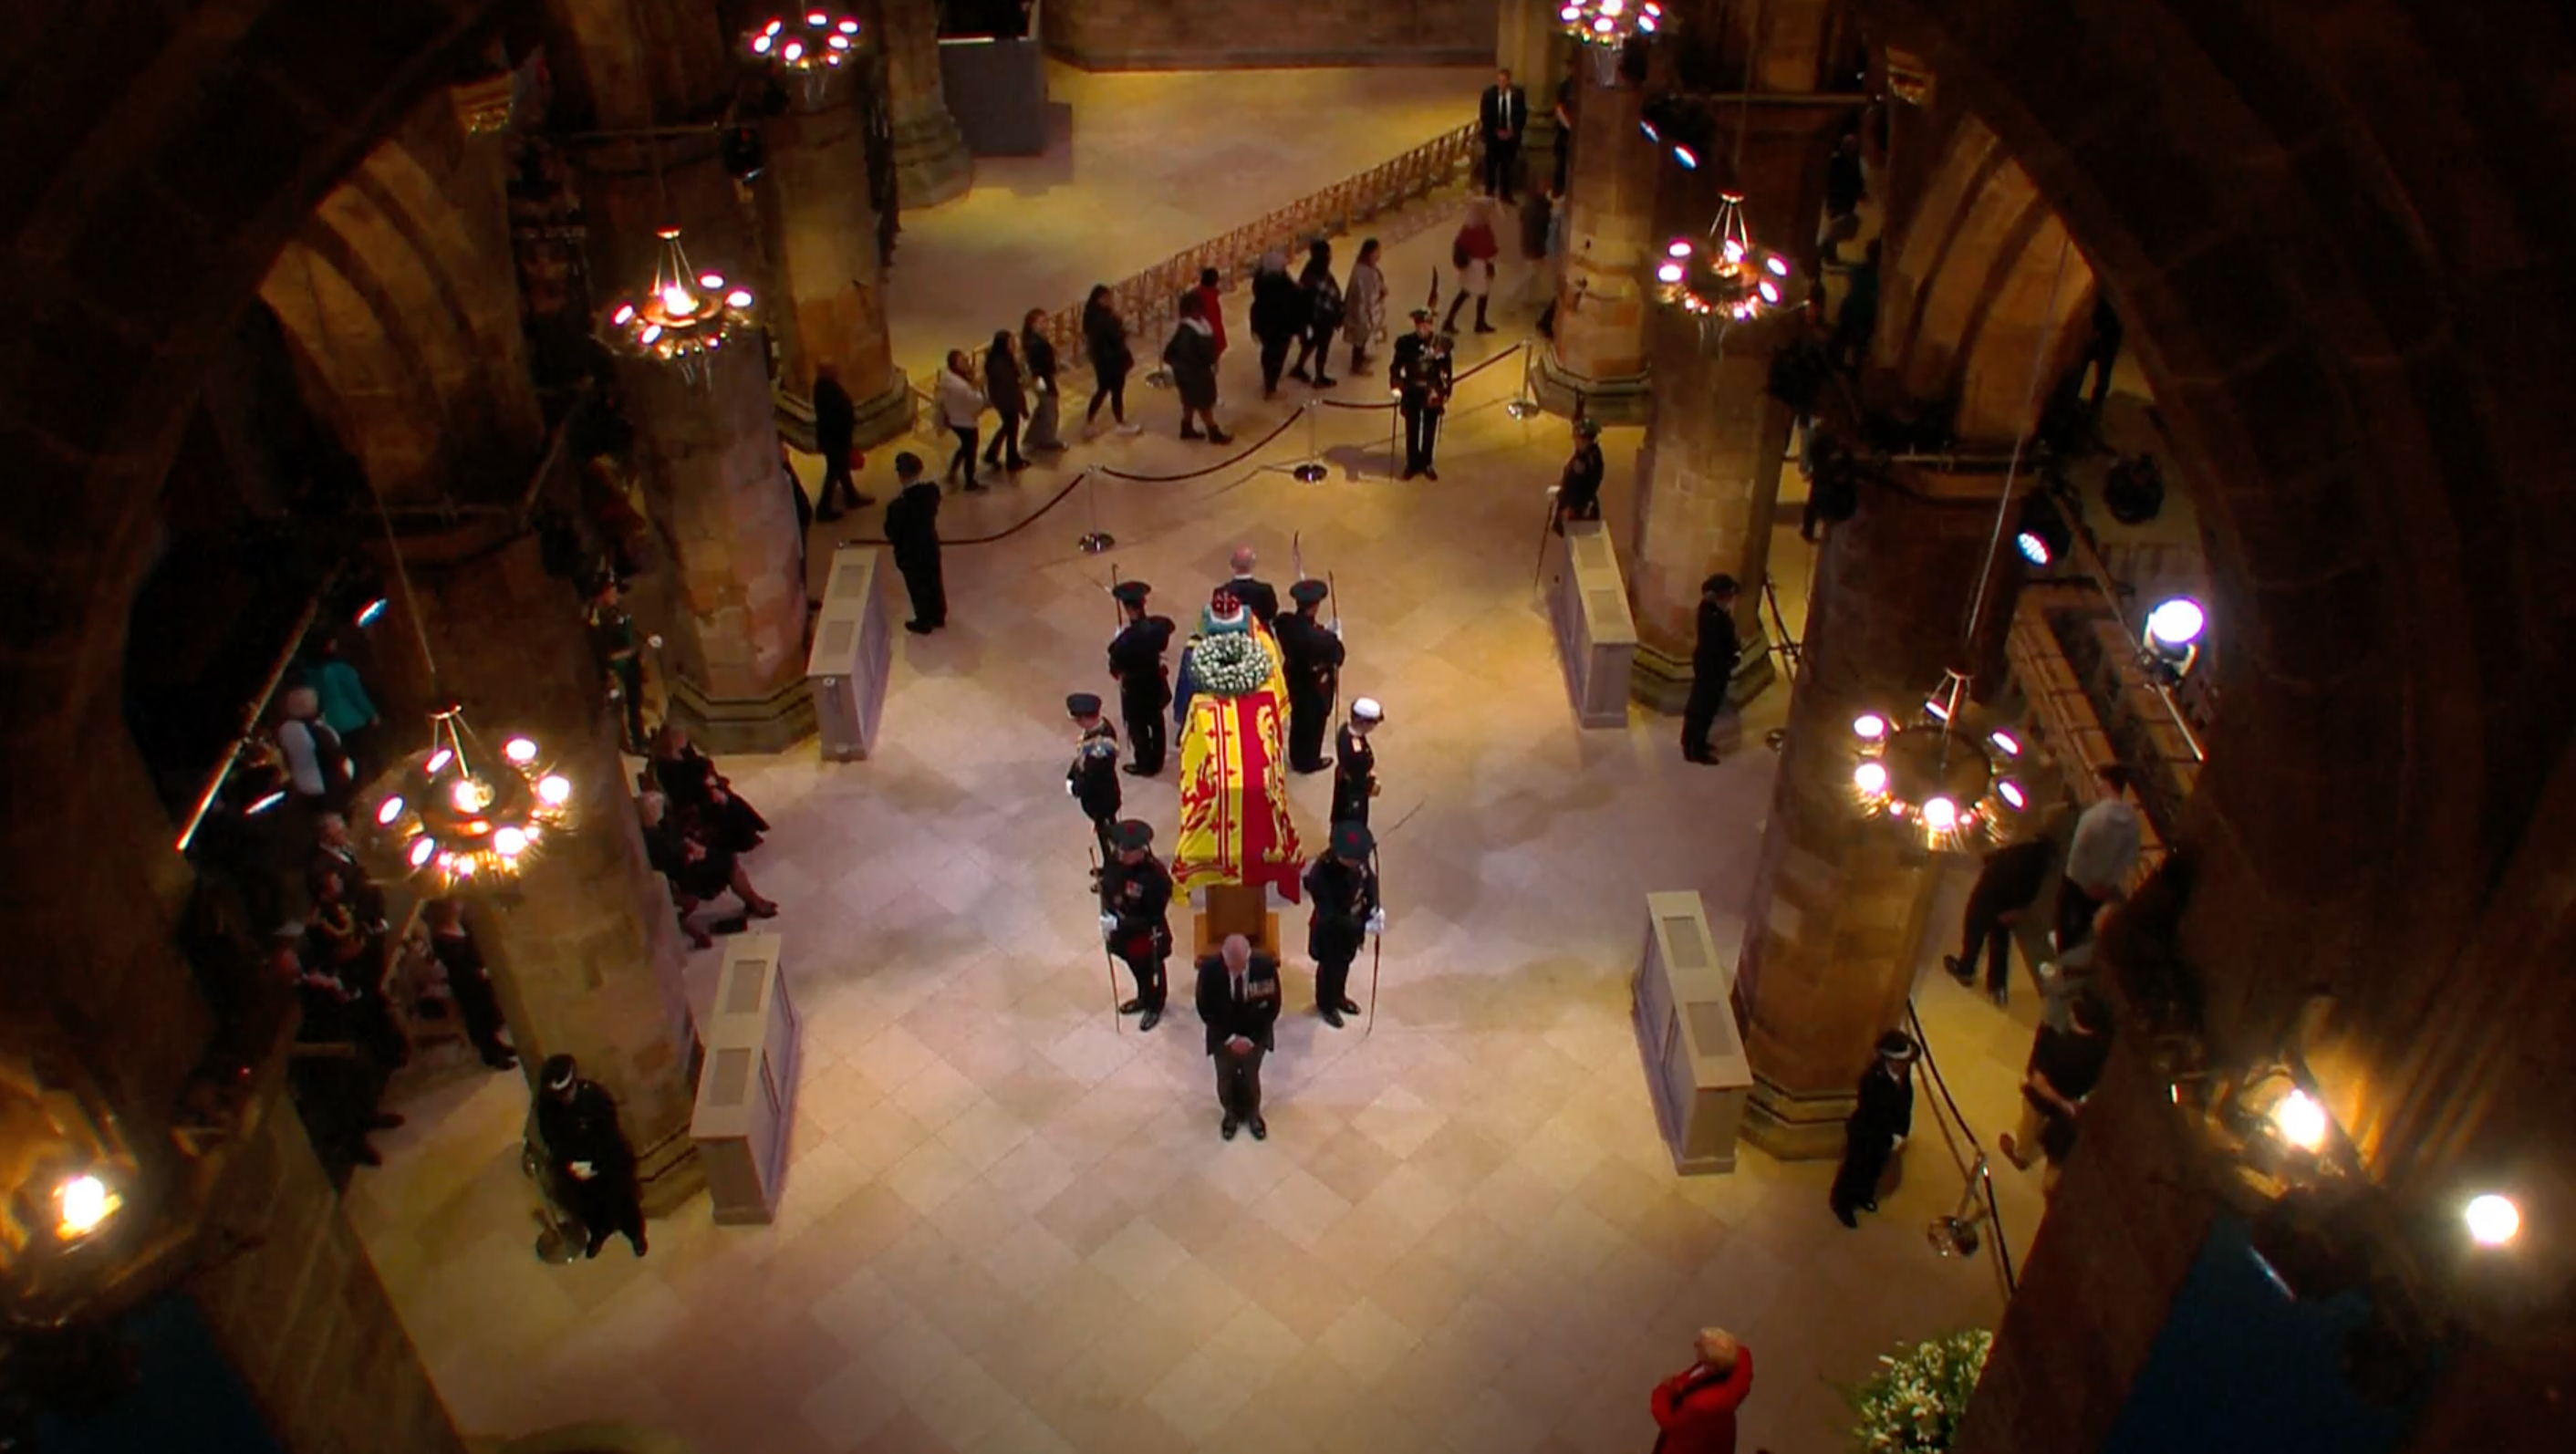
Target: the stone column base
(1797, 1127)
(770, 724)
(932, 164)
(882, 416)
(1623, 400)
(1662, 683)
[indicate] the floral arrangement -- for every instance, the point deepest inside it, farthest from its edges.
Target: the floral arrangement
(1914, 1403)
(1229, 665)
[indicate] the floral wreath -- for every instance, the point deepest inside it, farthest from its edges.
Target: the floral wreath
(1230, 665)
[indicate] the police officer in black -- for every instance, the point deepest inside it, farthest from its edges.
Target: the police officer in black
(1136, 660)
(1135, 917)
(1355, 764)
(594, 1167)
(1343, 888)
(1420, 377)
(1876, 1127)
(1092, 780)
(1578, 494)
(1311, 659)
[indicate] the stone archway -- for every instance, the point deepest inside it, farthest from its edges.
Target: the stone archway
(2335, 245)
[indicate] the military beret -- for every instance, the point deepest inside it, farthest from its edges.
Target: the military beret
(1132, 834)
(1082, 704)
(1308, 592)
(1131, 593)
(1423, 315)
(1895, 1045)
(1352, 840)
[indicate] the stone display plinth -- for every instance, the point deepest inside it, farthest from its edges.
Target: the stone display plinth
(747, 1098)
(1695, 1065)
(853, 655)
(1595, 640)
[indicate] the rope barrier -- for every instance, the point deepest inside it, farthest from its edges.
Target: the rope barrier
(1247, 452)
(1033, 518)
(1453, 383)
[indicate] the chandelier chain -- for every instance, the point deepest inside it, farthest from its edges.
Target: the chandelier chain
(2048, 328)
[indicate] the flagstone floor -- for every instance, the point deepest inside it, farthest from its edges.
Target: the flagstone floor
(1010, 1224)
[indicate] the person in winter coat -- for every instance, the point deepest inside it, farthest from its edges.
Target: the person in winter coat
(1104, 337)
(1002, 390)
(1037, 358)
(1214, 302)
(1695, 1408)
(1472, 253)
(1323, 315)
(912, 528)
(1192, 356)
(961, 405)
(1278, 317)
(1364, 305)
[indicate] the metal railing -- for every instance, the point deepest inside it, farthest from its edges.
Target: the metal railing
(1978, 1207)
(1149, 302)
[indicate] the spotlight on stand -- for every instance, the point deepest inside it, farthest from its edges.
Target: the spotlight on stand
(2172, 638)
(2042, 536)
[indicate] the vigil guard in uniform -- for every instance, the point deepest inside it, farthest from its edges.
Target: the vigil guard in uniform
(1311, 659)
(593, 1165)
(1420, 377)
(1343, 889)
(1092, 780)
(1355, 765)
(1135, 917)
(1578, 494)
(1136, 660)
(1878, 1124)
(621, 661)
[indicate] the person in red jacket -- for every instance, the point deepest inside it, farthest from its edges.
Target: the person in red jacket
(1695, 1408)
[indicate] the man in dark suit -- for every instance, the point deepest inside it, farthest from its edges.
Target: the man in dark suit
(836, 427)
(1713, 660)
(1135, 918)
(1877, 1125)
(2008, 884)
(1503, 115)
(1255, 593)
(912, 528)
(1311, 659)
(1144, 690)
(1343, 888)
(1238, 1001)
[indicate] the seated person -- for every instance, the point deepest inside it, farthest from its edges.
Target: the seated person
(682, 852)
(690, 780)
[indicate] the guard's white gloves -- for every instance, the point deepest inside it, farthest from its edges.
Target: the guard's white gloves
(654, 642)
(1108, 925)
(1896, 1145)
(583, 1171)
(1376, 921)
(1070, 790)
(1337, 630)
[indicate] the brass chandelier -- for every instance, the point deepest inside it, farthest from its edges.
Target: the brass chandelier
(1605, 27)
(1723, 278)
(808, 47)
(686, 317)
(458, 814)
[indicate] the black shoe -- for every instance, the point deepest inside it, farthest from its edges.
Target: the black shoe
(1410, 472)
(919, 628)
(595, 1244)
(977, 487)
(1870, 1206)
(1227, 1130)
(1219, 436)
(1843, 1214)
(1332, 1016)
(861, 502)
(1310, 767)
(503, 1061)
(1260, 1129)
(1131, 1007)
(1299, 374)
(1132, 770)
(385, 1121)
(2001, 995)
(1018, 465)
(1960, 972)
(1152, 1018)
(1487, 328)
(1429, 473)
(1352, 1007)
(365, 1155)
(638, 1242)
(1323, 382)
(1190, 433)
(828, 516)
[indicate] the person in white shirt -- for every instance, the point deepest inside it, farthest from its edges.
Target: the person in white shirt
(317, 765)
(961, 407)
(2098, 864)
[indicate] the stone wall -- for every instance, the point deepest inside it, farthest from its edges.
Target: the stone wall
(1177, 35)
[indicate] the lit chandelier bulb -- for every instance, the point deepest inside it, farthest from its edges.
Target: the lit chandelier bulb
(677, 300)
(1940, 815)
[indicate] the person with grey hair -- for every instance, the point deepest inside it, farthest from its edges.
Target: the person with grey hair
(1695, 1408)
(1238, 1001)
(1278, 316)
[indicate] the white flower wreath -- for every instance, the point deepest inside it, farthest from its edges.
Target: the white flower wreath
(1914, 1403)
(1230, 665)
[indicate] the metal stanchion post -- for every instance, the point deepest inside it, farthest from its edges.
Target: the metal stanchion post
(1312, 471)
(1526, 407)
(1097, 540)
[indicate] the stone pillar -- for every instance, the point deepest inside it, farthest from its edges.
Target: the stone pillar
(1599, 353)
(1708, 476)
(929, 151)
(827, 302)
(1838, 901)
(585, 950)
(731, 606)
